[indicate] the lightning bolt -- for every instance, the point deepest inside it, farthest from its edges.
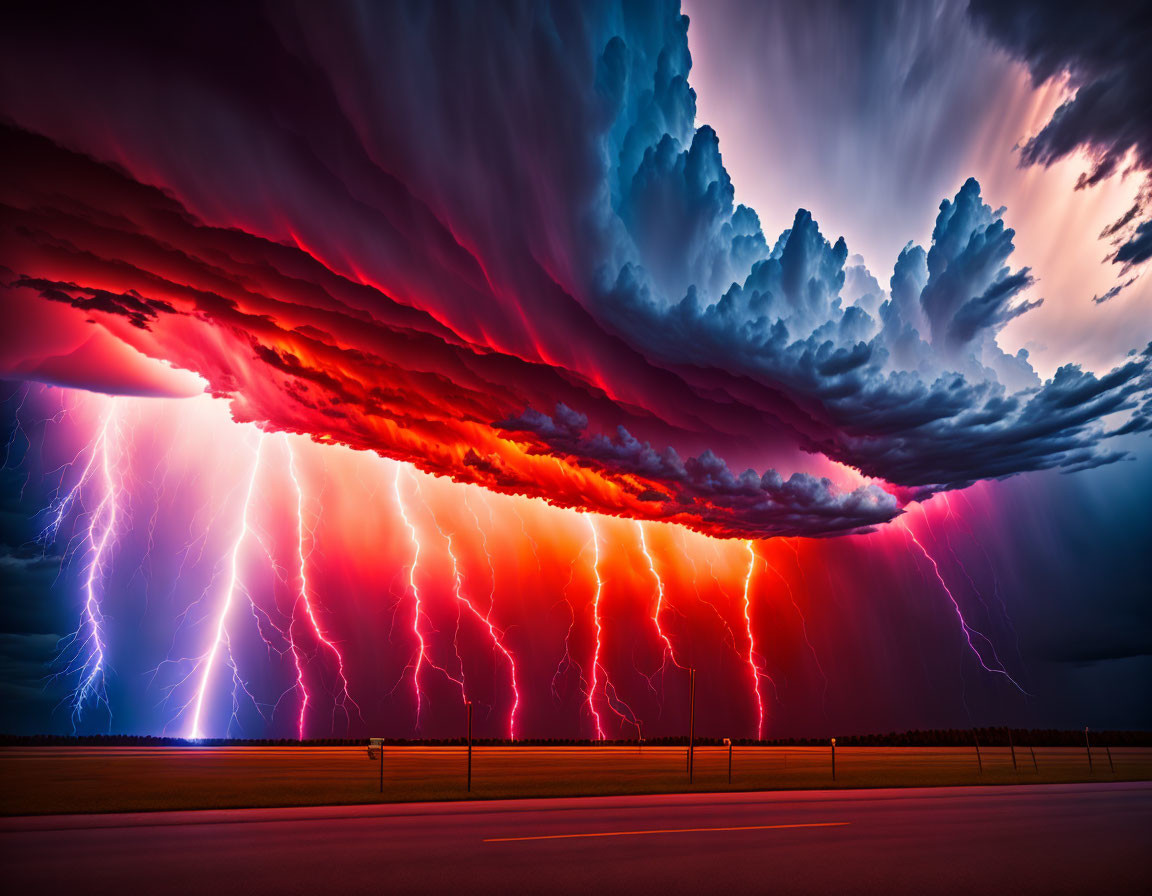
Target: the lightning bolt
(226, 606)
(17, 429)
(991, 567)
(968, 631)
(566, 661)
(86, 646)
(668, 653)
(414, 537)
(483, 544)
(611, 697)
(303, 598)
(494, 634)
(528, 537)
(729, 635)
(803, 621)
(596, 619)
(752, 665)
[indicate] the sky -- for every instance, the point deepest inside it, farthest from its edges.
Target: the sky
(359, 365)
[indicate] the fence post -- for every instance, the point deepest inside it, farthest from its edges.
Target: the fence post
(979, 760)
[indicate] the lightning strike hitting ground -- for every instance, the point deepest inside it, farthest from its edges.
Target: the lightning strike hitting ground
(755, 670)
(494, 634)
(88, 641)
(611, 695)
(303, 598)
(566, 661)
(229, 593)
(415, 590)
(596, 620)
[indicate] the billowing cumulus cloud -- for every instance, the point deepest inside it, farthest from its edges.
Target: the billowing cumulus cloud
(495, 243)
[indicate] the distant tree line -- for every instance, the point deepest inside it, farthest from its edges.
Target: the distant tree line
(937, 737)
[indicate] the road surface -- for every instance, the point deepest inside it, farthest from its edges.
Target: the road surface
(1081, 838)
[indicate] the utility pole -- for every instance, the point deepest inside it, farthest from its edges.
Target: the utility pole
(691, 723)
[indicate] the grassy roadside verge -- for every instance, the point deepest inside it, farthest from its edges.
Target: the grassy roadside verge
(52, 780)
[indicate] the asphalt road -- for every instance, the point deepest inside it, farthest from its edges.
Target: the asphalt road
(1072, 838)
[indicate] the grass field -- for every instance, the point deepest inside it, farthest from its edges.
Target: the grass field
(46, 780)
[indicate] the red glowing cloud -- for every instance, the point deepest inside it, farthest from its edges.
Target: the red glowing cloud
(547, 290)
(300, 348)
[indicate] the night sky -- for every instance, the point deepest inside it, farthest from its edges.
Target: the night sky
(361, 361)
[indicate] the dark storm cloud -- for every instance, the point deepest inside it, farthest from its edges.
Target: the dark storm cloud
(704, 486)
(467, 237)
(1138, 248)
(136, 308)
(1113, 292)
(1103, 48)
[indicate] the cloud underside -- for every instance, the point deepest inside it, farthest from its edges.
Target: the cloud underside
(352, 226)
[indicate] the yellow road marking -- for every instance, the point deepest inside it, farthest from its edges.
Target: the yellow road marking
(751, 827)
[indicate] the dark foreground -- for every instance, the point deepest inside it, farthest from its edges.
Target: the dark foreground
(1081, 838)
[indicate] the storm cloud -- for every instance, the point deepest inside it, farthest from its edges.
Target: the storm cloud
(1103, 51)
(494, 242)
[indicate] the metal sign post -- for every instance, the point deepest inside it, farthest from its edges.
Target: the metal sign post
(376, 751)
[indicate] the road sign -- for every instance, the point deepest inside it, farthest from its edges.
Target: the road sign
(376, 751)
